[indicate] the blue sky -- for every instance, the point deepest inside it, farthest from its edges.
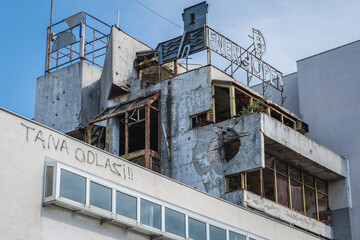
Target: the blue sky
(293, 30)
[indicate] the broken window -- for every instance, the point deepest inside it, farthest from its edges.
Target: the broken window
(234, 182)
(200, 119)
(241, 101)
(222, 103)
(137, 125)
(253, 181)
(287, 185)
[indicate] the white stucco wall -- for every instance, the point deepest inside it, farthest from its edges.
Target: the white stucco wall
(25, 144)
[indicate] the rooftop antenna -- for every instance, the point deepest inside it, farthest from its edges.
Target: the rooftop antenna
(117, 20)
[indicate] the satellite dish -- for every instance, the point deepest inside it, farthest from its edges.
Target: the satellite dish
(64, 39)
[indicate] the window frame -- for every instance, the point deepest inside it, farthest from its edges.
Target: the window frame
(112, 216)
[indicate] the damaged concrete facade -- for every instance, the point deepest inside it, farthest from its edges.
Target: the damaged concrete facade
(205, 129)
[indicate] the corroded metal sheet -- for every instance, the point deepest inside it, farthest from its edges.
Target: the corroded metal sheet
(64, 39)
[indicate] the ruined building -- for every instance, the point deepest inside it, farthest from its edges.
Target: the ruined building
(173, 150)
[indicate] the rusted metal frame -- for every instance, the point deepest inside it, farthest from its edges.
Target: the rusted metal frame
(100, 55)
(86, 14)
(239, 57)
(88, 130)
(303, 191)
(289, 186)
(67, 48)
(126, 134)
(154, 108)
(93, 52)
(316, 200)
(86, 25)
(213, 102)
(95, 39)
(245, 181)
(66, 30)
(62, 64)
(138, 121)
(70, 49)
(93, 63)
(232, 101)
(107, 134)
(96, 50)
(147, 136)
(239, 65)
(135, 154)
(112, 114)
(242, 177)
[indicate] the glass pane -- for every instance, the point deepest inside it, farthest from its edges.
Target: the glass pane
(125, 205)
(72, 186)
(310, 202)
(197, 229)
(174, 222)
(282, 190)
(321, 185)
(49, 181)
(269, 184)
(253, 181)
(100, 196)
(150, 214)
(236, 236)
(217, 233)
(296, 196)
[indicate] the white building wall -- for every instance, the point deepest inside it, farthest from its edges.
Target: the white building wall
(26, 144)
(328, 97)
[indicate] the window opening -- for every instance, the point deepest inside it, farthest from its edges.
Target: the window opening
(222, 103)
(253, 181)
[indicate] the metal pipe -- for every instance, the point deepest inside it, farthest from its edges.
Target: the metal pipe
(117, 19)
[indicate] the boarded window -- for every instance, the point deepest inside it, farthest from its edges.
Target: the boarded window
(269, 186)
(282, 190)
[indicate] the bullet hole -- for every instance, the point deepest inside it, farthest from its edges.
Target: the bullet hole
(63, 92)
(46, 97)
(53, 125)
(56, 114)
(189, 138)
(66, 105)
(57, 99)
(53, 102)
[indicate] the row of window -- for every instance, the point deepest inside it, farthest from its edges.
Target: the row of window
(288, 186)
(83, 190)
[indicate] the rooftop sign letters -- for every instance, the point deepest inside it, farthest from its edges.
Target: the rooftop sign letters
(243, 58)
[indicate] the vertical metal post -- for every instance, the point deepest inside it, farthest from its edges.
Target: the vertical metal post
(303, 191)
(289, 187)
(118, 17)
(82, 41)
(126, 134)
(49, 39)
(232, 102)
(261, 182)
(147, 136)
(275, 182)
(176, 67)
(107, 134)
(316, 200)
